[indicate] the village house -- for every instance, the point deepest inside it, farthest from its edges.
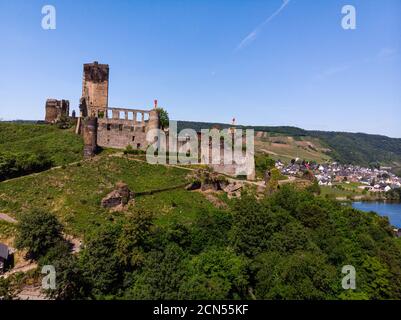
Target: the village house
(4, 257)
(373, 180)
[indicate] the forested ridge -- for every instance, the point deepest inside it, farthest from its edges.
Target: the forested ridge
(348, 148)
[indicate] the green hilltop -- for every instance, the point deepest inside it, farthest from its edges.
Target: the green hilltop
(172, 243)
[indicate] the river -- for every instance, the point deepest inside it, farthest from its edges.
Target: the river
(389, 209)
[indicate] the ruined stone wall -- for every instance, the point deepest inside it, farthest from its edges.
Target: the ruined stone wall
(55, 109)
(95, 87)
(233, 168)
(118, 127)
(247, 167)
(89, 133)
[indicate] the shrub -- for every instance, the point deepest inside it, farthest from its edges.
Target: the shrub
(262, 164)
(14, 165)
(163, 118)
(38, 231)
(130, 150)
(65, 122)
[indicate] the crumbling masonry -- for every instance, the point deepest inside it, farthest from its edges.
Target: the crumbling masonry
(56, 109)
(118, 128)
(110, 127)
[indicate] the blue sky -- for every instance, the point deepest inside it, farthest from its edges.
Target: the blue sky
(212, 60)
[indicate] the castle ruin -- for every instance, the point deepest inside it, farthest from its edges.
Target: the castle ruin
(56, 109)
(95, 89)
(110, 127)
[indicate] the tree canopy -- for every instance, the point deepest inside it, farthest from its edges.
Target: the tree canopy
(288, 245)
(38, 232)
(163, 118)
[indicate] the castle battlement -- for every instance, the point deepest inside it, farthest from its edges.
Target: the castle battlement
(113, 127)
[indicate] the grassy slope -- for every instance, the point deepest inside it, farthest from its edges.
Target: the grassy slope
(62, 146)
(74, 193)
(7, 230)
(288, 148)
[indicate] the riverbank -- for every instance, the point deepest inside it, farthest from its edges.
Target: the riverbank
(392, 210)
(352, 193)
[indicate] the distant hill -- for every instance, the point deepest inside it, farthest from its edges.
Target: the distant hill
(285, 142)
(362, 148)
(292, 131)
(353, 148)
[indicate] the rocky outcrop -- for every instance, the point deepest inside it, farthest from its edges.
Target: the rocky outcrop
(233, 190)
(194, 185)
(118, 199)
(212, 185)
(207, 180)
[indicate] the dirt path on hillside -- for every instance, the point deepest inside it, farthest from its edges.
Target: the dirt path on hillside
(32, 293)
(270, 152)
(24, 266)
(76, 243)
(5, 217)
(229, 178)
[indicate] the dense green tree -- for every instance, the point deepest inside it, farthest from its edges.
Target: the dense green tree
(300, 276)
(58, 251)
(131, 241)
(272, 183)
(217, 273)
(295, 226)
(289, 198)
(8, 289)
(263, 163)
(65, 122)
(71, 284)
(375, 279)
(15, 164)
(161, 275)
(252, 226)
(394, 194)
(38, 231)
(164, 119)
(100, 260)
(292, 236)
(314, 188)
(211, 228)
(310, 214)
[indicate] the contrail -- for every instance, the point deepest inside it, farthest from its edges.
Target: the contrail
(253, 35)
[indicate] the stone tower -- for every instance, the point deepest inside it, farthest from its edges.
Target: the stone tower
(55, 109)
(102, 126)
(90, 136)
(153, 120)
(95, 89)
